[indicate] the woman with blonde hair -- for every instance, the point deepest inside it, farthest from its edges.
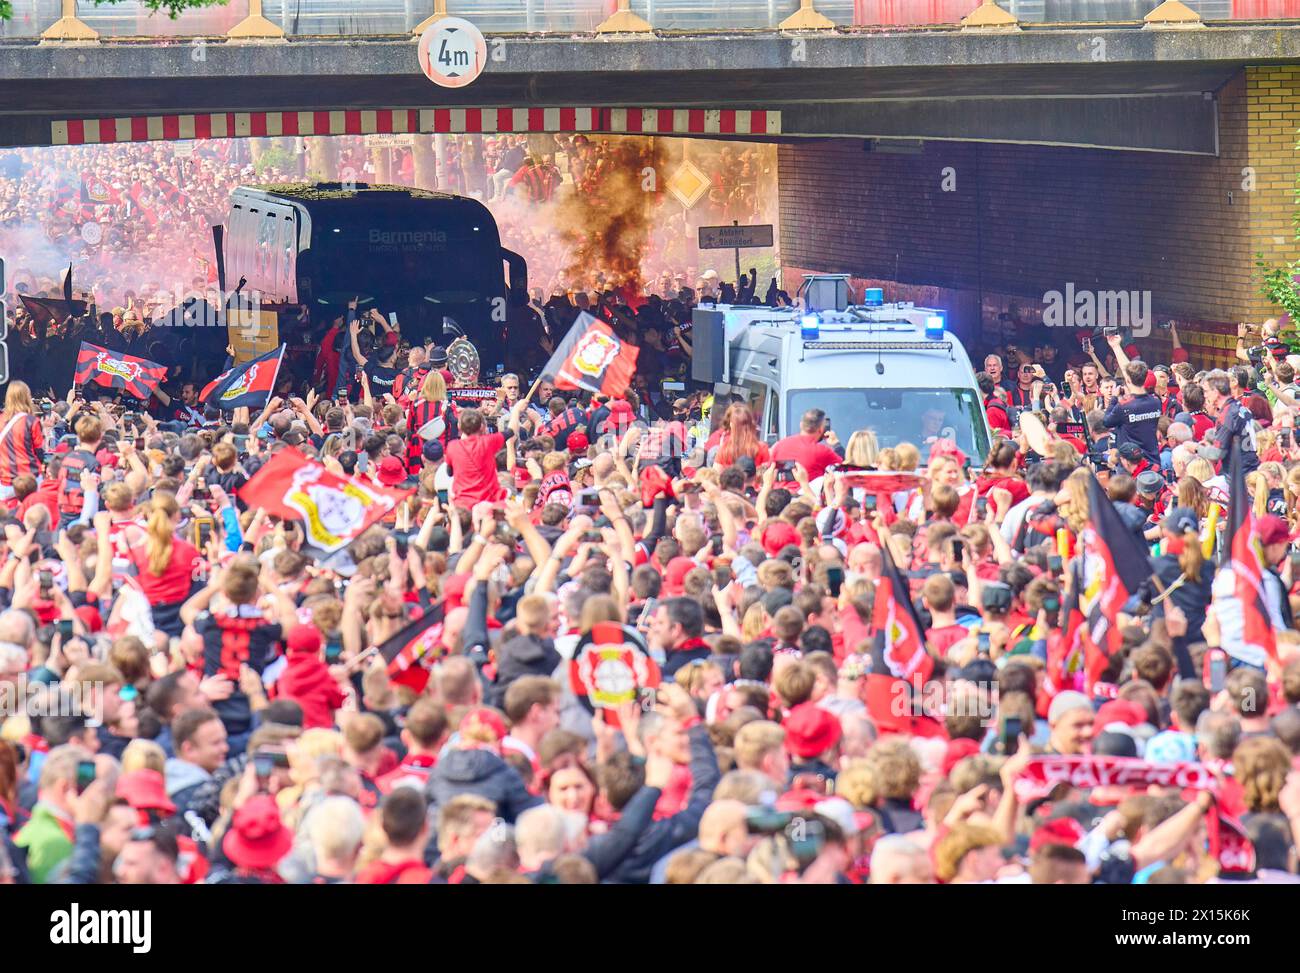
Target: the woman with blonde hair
(862, 450)
(424, 413)
(143, 755)
(22, 441)
(165, 564)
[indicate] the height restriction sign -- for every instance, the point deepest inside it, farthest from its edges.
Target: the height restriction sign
(452, 52)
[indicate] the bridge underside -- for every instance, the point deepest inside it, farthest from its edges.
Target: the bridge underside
(1152, 91)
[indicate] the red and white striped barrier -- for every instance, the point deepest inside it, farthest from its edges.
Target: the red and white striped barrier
(440, 121)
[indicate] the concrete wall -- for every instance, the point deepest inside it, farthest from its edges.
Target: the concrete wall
(1018, 221)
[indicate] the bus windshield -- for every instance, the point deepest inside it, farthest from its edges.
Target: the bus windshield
(918, 416)
(442, 266)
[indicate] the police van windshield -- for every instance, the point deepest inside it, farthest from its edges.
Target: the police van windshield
(917, 416)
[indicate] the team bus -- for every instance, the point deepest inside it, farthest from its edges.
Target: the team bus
(424, 255)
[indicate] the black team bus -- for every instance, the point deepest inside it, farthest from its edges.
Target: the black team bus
(424, 255)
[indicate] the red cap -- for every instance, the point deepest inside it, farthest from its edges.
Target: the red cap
(1121, 711)
(675, 575)
(777, 535)
(577, 442)
(303, 638)
(1272, 529)
(1149, 383)
(1061, 831)
(810, 730)
(391, 340)
(106, 457)
(90, 617)
(257, 837)
(483, 718)
(946, 447)
(392, 471)
(144, 790)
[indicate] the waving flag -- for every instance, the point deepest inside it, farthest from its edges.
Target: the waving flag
(148, 213)
(96, 192)
(592, 357)
(411, 651)
(334, 509)
(900, 664)
(249, 384)
(113, 370)
(1114, 565)
(1246, 622)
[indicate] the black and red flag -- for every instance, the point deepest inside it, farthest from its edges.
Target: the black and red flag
(249, 384)
(415, 648)
(53, 311)
(114, 370)
(592, 357)
(1114, 565)
(148, 213)
(171, 193)
(900, 663)
(96, 192)
(1252, 639)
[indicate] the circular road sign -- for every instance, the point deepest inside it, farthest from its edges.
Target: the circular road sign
(452, 52)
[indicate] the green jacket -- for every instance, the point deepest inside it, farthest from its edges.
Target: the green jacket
(46, 841)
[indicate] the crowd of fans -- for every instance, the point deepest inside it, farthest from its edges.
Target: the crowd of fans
(199, 698)
(135, 220)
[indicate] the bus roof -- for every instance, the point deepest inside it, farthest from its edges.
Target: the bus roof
(320, 191)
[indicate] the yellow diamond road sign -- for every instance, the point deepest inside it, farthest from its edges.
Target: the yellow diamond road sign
(688, 184)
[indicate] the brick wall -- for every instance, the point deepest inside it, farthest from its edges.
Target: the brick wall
(1021, 220)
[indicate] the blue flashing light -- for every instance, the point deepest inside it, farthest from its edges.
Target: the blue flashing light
(873, 297)
(934, 327)
(810, 327)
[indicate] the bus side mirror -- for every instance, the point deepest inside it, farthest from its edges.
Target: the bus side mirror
(517, 277)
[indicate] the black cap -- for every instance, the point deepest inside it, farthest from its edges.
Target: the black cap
(1130, 451)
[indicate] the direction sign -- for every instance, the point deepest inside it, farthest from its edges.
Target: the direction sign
(452, 52)
(735, 237)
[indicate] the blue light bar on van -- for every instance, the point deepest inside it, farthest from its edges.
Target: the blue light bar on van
(810, 327)
(873, 297)
(934, 327)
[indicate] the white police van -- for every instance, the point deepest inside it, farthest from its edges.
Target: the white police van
(894, 369)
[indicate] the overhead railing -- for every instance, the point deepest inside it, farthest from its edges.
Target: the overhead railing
(87, 22)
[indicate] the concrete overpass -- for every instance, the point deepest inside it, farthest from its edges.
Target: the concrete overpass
(1109, 86)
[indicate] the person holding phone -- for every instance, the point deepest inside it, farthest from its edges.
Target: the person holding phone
(47, 836)
(808, 447)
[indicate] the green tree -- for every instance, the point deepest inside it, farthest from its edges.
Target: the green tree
(174, 8)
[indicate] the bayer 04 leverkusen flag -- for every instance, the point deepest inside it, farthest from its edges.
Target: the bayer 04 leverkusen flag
(900, 664)
(1114, 566)
(249, 384)
(1245, 557)
(334, 509)
(113, 370)
(593, 358)
(417, 646)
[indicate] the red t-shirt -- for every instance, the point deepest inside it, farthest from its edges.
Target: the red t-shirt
(806, 450)
(174, 583)
(945, 637)
(1201, 424)
(473, 465)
